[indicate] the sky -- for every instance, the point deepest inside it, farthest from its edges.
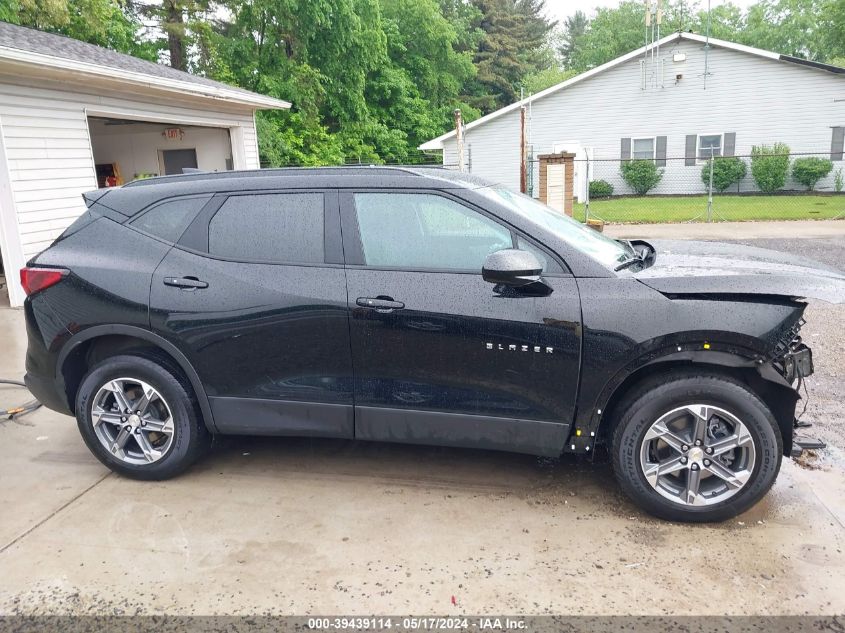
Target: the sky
(560, 9)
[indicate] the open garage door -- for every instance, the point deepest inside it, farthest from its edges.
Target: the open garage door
(126, 150)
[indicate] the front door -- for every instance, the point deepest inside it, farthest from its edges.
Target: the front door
(440, 356)
(255, 296)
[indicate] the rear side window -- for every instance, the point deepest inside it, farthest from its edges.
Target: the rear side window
(169, 219)
(277, 228)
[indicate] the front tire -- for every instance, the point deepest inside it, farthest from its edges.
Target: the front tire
(139, 419)
(695, 447)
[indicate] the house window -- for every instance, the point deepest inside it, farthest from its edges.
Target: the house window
(709, 145)
(642, 148)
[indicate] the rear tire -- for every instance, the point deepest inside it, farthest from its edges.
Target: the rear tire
(696, 447)
(140, 419)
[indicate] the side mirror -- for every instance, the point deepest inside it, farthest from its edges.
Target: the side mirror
(512, 267)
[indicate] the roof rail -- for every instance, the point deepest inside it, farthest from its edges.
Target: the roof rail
(274, 171)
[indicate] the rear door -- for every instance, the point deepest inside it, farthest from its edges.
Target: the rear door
(440, 355)
(254, 294)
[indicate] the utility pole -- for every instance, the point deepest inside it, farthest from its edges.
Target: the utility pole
(523, 155)
(459, 137)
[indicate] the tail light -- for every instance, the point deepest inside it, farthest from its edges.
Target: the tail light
(37, 279)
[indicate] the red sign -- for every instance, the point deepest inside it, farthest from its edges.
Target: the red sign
(173, 133)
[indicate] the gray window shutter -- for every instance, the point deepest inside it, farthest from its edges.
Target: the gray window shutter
(660, 151)
(837, 143)
(729, 143)
(689, 154)
(626, 149)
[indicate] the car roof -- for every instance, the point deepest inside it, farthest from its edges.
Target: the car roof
(139, 194)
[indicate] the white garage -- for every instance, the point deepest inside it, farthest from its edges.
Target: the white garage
(74, 117)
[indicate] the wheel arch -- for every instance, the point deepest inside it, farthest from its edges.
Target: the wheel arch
(762, 378)
(108, 340)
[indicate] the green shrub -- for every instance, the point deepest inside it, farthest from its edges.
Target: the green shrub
(726, 172)
(769, 166)
(838, 181)
(641, 175)
(600, 189)
(809, 170)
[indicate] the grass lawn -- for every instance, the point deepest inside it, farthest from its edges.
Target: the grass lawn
(725, 207)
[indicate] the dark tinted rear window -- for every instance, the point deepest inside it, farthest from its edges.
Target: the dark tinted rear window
(282, 228)
(169, 219)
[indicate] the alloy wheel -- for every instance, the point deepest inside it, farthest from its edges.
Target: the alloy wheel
(697, 455)
(132, 421)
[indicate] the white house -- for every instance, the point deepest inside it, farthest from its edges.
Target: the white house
(75, 116)
(674, 102)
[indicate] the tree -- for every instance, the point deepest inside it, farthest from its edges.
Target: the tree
(726, 22)
(614, 32)
(514, 45)
(427, 73)
(107, 23)
(574, 27)
(800, 28)
(834, 23)
(538, 81)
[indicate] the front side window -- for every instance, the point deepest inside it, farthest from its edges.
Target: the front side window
(709, 145)
(642, 148)
(278, 228)
(425, 231)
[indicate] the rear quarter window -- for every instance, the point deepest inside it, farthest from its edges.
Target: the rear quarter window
(169, 219)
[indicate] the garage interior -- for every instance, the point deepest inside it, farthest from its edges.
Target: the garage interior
(126, 150)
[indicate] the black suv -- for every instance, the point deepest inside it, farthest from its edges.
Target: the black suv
(417, 305)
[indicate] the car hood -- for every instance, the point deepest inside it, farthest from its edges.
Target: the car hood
(690, 267)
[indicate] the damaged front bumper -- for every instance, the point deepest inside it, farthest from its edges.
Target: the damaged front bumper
(794, 360)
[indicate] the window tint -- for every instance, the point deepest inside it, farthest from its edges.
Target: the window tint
(285, 227)
(411, 230)
(169, 219)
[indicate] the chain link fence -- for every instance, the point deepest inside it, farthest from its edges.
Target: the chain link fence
(770, 187)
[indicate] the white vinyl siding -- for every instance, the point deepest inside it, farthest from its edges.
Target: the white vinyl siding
(760, 99)
(44, 127)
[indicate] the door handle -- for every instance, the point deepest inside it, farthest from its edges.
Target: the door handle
(379, 304)
(187, 283)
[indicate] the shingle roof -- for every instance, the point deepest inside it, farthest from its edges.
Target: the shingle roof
(34, 41)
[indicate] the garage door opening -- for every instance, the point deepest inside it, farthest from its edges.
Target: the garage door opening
(127, 150)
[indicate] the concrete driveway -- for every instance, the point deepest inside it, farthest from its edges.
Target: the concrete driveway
(316, 527)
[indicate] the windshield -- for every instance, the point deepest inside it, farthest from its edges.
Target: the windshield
(606, 250)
